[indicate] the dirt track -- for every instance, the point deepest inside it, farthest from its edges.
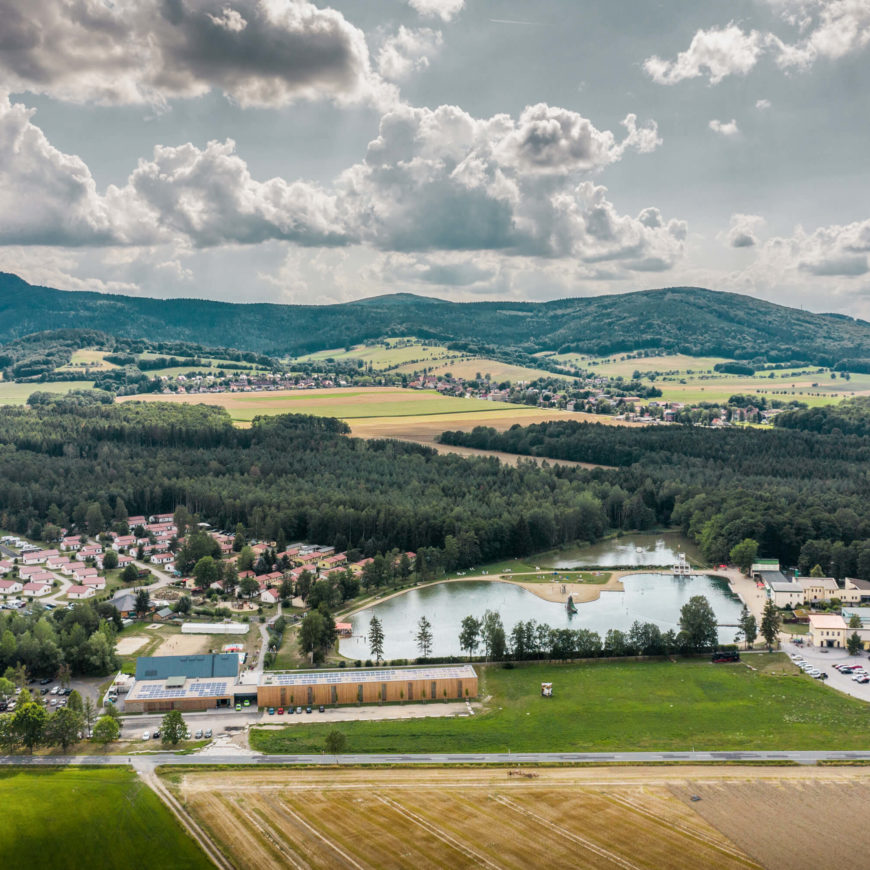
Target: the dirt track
(626, 817)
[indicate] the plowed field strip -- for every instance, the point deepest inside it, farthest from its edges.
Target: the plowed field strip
(618, 860)
(469, 853)
(244, 847)
(718, 843)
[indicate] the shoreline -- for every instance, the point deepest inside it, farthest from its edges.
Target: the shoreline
(583, 593)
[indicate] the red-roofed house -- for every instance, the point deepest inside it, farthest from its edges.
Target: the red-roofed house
(78, 592)
(6, 567)
(90, 551)
(41, 577)
(269, 596)
(9, 587)
(73, 542)
(135, 521)
(55, 563)
(124, 561)
(35, 590)
(94, 582)
(162, 558)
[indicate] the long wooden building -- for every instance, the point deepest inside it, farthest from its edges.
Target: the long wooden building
(366, 686)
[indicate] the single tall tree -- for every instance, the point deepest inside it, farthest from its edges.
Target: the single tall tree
(63, 728)
(172, 728)
(771, 620)
(853, 643)
(106, 730)
(744, 554)
(698, 624)
(143, 602)
(376, 639)
(469, 635)
(28, 724)
(747, 627)
(424, 637)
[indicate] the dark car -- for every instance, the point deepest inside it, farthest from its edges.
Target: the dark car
(45, 681)
(724, 656)
(308, 709)
(321, 709)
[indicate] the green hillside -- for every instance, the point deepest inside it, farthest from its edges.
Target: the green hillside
(678, 320)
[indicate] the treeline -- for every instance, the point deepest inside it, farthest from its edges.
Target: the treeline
(851, 417)
(782, 488)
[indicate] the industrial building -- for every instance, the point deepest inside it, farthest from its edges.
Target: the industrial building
(367, 686)
(205, 682)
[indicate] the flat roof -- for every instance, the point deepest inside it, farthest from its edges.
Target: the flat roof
(368, 675)
(204, 666)
(165, 690)
(786, 586)
(827, 620)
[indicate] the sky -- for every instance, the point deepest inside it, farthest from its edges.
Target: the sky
(297, 152)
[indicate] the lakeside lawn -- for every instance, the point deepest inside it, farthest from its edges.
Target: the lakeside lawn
(73, 818)
(610, 705)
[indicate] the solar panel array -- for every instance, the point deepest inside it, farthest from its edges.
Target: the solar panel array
(382, 675)
(157, 691)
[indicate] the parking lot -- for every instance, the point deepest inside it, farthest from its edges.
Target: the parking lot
(825, 659)
(220, 722)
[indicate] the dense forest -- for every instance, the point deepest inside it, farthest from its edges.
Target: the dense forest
(290, 477)
(851, 417)
(802, 495)
(678, 319)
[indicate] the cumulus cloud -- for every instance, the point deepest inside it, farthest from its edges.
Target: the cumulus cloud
(439, 179)
(762, 105)
(257, 52)
(407, 51)
(724, 128)
(446, 10)
(433, 180)
(743, 230)
(46, 196)
(828, 29)
(716, 53)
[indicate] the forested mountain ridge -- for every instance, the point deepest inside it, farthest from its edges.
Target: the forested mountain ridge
(678, 319)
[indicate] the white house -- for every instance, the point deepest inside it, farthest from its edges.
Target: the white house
(94, 582)
(785, 594)
(162, 558)
(35, 590)
(819, 588)
(124, 561)
(90, 550)
(73, 542)
(269, 596)
(9, 587)
(78, 592)
(5, 567)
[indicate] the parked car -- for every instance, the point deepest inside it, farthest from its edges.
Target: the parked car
(198, 734)
(321, 709)
(208, 732)
(271, 711)
(45, 681)
(863, 679)
(280, 711)
(247, 702)
(146, 735)
(308, 709)
(238, 708)
(298, 709)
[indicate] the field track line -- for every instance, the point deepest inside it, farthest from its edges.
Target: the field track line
(300, 821)
(437, 832)
(187, 821)
(718, 845)
(564, 832)
(267, 836)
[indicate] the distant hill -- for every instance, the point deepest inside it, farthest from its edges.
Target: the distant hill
(677, 319)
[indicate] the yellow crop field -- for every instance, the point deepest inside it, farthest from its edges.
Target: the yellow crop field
(596, 817)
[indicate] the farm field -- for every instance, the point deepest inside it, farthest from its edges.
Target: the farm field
(393, 406)
(16, 394)
(73, 818)
(629, 817)
(610, 705)
(702, 384)
(400, 356)
(87, 358)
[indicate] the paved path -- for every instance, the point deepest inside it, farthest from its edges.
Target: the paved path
(149, 762)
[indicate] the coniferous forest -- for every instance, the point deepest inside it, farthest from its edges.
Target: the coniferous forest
(801, 494)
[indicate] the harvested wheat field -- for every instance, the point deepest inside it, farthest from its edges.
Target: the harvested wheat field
(184, 645)
(621, 817)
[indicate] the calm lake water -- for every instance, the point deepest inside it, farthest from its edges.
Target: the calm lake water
(625, 552)
(648, 597)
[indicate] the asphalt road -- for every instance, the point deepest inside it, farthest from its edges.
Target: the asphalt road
(158, 758)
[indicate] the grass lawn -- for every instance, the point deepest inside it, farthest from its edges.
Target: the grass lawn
(17, 394)
(89, 818)
(612, 705)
